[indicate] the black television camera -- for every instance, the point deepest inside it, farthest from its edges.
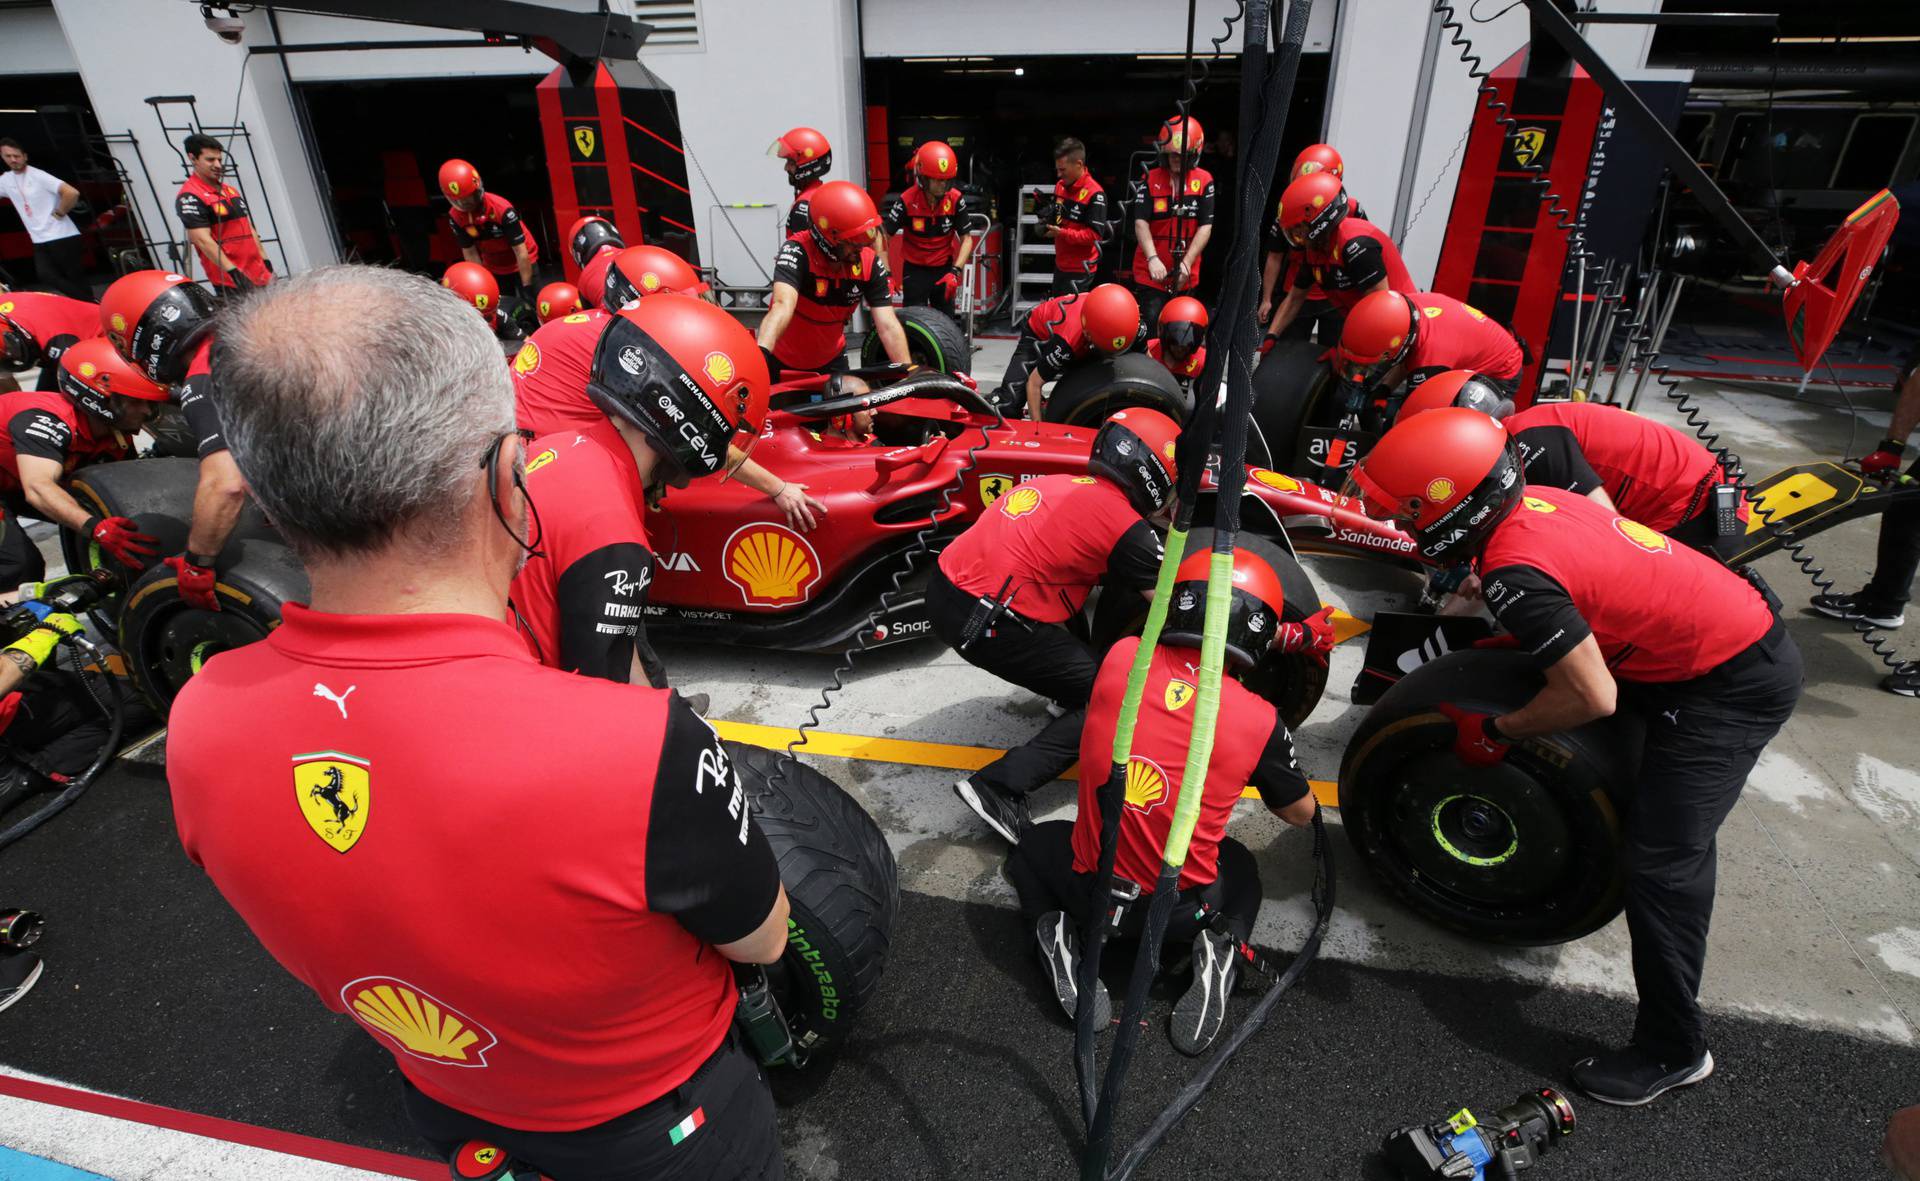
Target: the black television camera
(1461, 1148)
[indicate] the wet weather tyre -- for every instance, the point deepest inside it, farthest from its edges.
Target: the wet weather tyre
(934, 339)
(1290, 386)
(843, 886)
(1094, 389)
(165, 641)
(1527, 852)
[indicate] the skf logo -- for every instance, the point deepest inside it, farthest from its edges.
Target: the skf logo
(583, 138)
(771, 564)
(1178, 694)
(992, 487)
(1528, 143)
(719, 368)
(1020, 502)
(1643, 536)
(527, 360)
(417, 1022)
(335, 793)
(541, 460)
(1536, 504)
(1274, 480)
(1146, 783)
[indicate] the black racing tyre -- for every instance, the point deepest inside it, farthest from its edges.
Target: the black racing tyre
(1290, 387)
(1526, 852)
(165, 642)
(1094, 389)
(934, 339)
(844, 888)
(1292, 682)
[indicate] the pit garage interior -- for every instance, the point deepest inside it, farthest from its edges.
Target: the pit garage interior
(162, 1041)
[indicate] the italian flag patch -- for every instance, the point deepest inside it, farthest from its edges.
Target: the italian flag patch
(688, 1126)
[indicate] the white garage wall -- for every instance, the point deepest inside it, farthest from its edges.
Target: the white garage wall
(31, 43)
(943, 28)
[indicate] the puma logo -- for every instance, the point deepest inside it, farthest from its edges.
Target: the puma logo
(1672, 715)
(339, 699)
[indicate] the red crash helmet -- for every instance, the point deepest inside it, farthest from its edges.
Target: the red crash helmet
(556, 300)
(640, 271)
(1456, 387)
(1378, 335)
(1134, 449)
(1183, 325)
(459, 180)
(93, 373)
(1253, 615)
(686, 374)
(1181, 137)
(1317, 158)
(1110, 318)
(1449, 477)
(157, 320)
(810, 152)
(1311, 206)
(840, 213)
(934, 160)
(589, 236)
(475, 284)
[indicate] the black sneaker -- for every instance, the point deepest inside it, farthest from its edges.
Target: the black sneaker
(698, 702)
(1631, 1076)
(19, 972)
(1905, 680)
(1202, 1010)
(1857, 606)
(1060, 956)
(1005, 812)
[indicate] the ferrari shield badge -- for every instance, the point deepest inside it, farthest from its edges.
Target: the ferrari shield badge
(1527, 143)
(334, 791)
(993, 486)
(1178, 694)
(583, 139)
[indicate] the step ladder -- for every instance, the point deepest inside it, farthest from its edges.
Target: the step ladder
(241, 166)
(1032, 269)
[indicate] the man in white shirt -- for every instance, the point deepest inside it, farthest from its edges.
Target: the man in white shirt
(43, 202)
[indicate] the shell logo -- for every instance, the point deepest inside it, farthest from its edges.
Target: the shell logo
(1159, 204)
(1309, 166)
(1536, 504)
(1318, 201)
(541, 460)
(417, 1022)
(807, 154)
(771, 564)
(1178, 694)
(1646, 537)
(527, 360)
(719, 368)
(819, 287)
(473, 231)
(1146, 784)
(118, 323)
(821, 221)
(220, 208)
(576, 318)
(649, 281)
(1440, 491)
(1274, 480)
(1020, 501)
(1168, 449)
(88, 369)
(919, 224)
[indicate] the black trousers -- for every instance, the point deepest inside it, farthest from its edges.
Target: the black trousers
(1151, 300)
(1703, 737)
(1068, 282)
(1011, 397)
(918, 287)
(20, 559)
(738, 1140)
(58, 727)
(1043, 658)
(60, 265)
(1316, 316)
(1041, 869)
(1899, 554)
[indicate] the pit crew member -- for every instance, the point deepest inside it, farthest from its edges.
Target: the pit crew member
(931, 216)
(821, 275)
(1390, 338)
(1181, 340)
(1172, 216)
(629, 834)
(1004, 590)
(50, 727)
(1079, 223)
(594, 241)
(478, 287)
(635, 272)
(1621, 617)
(1341, 253)
(487, 229)
(808, 156)
(1060, 331)
(1055, 866)
(217, 220)
(1281, 262)
(557, 299)
(35, 328)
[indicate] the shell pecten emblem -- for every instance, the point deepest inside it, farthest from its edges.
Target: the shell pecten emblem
(334, 791)
(1146, 784)
(771, 564)
(419, 1023)
(527, 360)
(1644, 536)
(719, 368)
(1439, 491)
(1020, 501)
(1278, 481)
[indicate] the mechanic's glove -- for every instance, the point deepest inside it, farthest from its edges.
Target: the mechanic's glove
(1503, 640)
(1477, 741)
(239, 279)
(1883, 460)
(1312, 635)
(1267, 342)
(119, 537)
(949, 283)
(39, 643)
(195, 582)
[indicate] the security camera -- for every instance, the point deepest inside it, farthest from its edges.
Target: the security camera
(223, 22)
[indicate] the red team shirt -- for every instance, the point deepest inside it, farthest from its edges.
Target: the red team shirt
(1083, 225)
(1455, 335)
(550, 374)
(1653, 473)
(46, 424)
(494, 230)
(1350, 261)
(53, 321)
(1190, 367)
(1172, 218)
(223, 210)
(930, 230)
(1055, 537)
(829, 290)
(593, 278)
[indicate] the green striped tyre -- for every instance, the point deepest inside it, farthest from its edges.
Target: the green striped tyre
(934, 339)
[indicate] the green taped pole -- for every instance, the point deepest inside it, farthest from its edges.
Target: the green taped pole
(1213, 663)
(1149, 638)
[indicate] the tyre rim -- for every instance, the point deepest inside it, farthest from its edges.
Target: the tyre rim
(1461, 845)
(1475, 831)
(182, 644)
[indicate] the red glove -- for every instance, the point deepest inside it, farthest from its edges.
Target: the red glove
(119, 537)
(1312, 635)
(1477, 742)
(195, 582)
(949, 284)
(1884, 460)
(1267, 342)
(1503, 640)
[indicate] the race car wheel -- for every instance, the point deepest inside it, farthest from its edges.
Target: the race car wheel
(1290, 386)
(165, 642)
(1293, 682)
(934, 339)
(843, 886)
(1526, 852)
(1092, 390)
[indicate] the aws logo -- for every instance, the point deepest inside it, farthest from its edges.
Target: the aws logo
(771, 564)
(1146, 784)
(417, 1022)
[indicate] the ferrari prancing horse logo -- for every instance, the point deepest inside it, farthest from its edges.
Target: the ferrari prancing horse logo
(1528, 142)
(583, 139)
(992, 487)
(334, 791)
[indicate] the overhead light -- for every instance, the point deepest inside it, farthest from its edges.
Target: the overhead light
(946, 59)
(1019, 71)
(1848, 40)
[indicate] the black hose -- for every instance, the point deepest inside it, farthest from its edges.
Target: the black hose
(116, 715)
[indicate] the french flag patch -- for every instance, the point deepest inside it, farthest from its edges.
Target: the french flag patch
(688, 1126)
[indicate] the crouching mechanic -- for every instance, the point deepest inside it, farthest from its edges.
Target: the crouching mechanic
(1054, 868)
(1058, 332)
(50, 726)
(487, 229)
(102, 403)
(822, 274)
(611, 1053)
(1180, 343)
(594, 241)
(1343, 255)
(35, 328)
(581, 598)
(1391, 338)
(1003, 591)
(1619, 616)
(931, 218)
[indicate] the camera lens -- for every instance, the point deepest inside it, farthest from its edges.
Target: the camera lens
(1542, 1117)
(19, 928)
